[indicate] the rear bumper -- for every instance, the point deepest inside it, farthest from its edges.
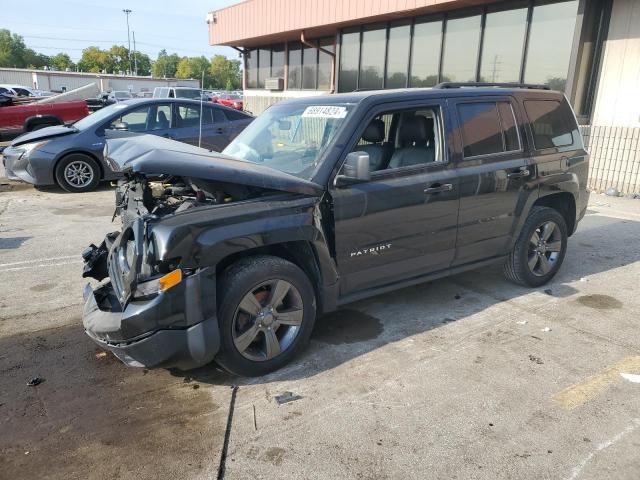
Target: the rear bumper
(183, 347)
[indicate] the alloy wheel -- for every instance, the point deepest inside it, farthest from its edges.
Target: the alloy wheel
(267, 320)
(545, 245)
(78, 174)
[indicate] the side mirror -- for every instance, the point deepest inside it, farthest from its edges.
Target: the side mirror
(122, 126)
(356, 169)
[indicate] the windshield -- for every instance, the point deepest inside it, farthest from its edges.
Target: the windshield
(97, 117)
(188, 93)
(290, 138)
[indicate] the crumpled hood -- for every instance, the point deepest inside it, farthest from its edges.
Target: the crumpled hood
(43, 134)
(153, 156)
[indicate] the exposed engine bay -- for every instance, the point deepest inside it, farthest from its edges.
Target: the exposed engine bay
(142, 196)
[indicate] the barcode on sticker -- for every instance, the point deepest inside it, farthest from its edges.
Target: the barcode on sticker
(325, 111)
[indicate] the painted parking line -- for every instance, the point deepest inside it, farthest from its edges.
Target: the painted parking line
(580, 393)
(40, 265)
(37, 260)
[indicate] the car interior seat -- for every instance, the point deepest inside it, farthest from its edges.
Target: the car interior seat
(163, 121)
(377, 150)
(416, 142)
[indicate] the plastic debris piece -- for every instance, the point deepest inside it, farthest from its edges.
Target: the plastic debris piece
(535, 359)
(287, 397)
(35, 381)
(546, 329)
(584, 279)
(522, 322)
(548, 291)
(612, 192)
(631, 377)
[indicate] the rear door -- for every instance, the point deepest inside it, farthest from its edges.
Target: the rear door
(187, 126)
(493, 171)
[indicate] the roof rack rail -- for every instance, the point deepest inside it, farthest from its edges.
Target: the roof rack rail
(491, 84)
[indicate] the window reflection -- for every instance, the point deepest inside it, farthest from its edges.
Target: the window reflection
(252, 69)
(277, 61)
(349, 53)
(550, 43)
(264, 65)
(425, 61)
(295, 66)
(462, 37)
(324, 64)
(309, 67)
(502, 46)
(398, 56)
(372, 62)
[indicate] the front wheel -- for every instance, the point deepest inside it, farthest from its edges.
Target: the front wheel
(266, 315)
(78, 173)
(540, 249)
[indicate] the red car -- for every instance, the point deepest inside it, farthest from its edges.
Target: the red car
(231, 100)
(16, 119)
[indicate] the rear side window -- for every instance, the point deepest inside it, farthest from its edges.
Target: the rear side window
(551, 124)
(233, 115)
(488, 128)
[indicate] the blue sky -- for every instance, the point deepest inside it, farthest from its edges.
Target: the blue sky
(52, 26)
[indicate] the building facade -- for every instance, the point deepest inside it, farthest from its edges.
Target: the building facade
(588, 49)
(55, 81)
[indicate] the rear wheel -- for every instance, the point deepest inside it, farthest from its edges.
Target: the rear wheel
(267, 311)
(540, 248)
(78, 173)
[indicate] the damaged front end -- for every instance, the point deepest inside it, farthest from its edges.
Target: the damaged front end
(155, 305)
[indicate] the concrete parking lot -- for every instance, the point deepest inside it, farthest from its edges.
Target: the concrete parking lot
(467, 377)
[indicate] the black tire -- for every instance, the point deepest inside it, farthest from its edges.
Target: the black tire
(81, 161)
(243, 278)
(36, 123)
(518, 266)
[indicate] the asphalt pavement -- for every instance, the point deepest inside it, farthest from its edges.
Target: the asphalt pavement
(465, 377)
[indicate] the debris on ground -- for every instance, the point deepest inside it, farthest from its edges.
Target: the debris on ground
(548, 291)
(535, 359)
(287, 397)
(631, 377)
(612, 192)
(35, 381)
(101, 354)
(522, 322)
(546, 329)
(584, 279)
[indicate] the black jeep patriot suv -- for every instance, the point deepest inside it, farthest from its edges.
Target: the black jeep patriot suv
(322, 201)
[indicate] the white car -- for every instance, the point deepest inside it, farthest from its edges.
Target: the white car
(22, 91)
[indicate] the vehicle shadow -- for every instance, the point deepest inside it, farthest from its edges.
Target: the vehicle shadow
(600, 244)
(55, 189)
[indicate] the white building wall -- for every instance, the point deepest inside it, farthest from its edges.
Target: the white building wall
(613, 139)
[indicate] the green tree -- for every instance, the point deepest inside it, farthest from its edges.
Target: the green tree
(95, 60)
(61, 61)
(225, 73)
(144, 63)
(166, 65)
(119, 58)
(192, 67)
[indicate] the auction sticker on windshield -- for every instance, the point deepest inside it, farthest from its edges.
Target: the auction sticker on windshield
(324, 111)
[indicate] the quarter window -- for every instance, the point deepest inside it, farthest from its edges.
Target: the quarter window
(487, 128)
(550, 124)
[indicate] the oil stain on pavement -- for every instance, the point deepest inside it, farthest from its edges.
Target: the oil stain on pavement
(600, 302)
(99, 418)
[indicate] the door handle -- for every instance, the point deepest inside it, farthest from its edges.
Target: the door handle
(523, 172)
(446, 187)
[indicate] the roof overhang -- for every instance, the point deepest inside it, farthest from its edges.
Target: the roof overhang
(260, 22)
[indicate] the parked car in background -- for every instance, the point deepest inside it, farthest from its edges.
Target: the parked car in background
(17, 119)
(231, 100)
(177, 92)
(22, 91)
(72, 156)
(120, 95)
(323, 201)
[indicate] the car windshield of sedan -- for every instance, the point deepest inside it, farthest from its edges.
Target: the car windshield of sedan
(290, 138)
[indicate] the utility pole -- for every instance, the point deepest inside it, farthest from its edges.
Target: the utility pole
(127, 12)
(135, 57)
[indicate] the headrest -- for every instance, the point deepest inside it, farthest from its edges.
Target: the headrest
(374, 132)
(414, 130)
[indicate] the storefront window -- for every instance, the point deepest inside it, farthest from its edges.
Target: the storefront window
(398, 55)
(264, 65)
(502, 46)
(550, 44)
(309, 67)
(425, 61)
(277, 61)
(324, 64)
(462, 39)
(295, 66)
(252, 69)
(372, 61)
(349, 56)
